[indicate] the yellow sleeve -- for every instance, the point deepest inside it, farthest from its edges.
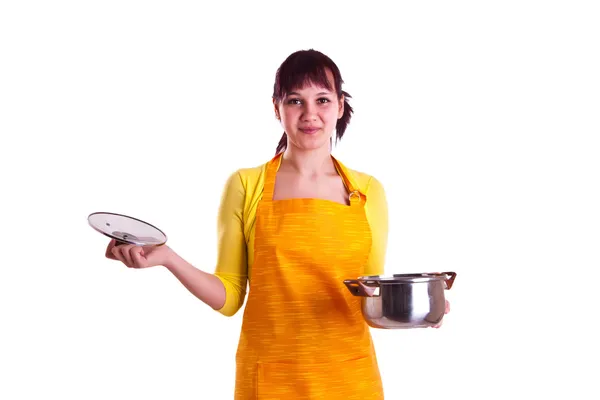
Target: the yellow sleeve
(232, 255)
(376, 209)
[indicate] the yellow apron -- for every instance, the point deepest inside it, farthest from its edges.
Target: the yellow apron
(303, 335)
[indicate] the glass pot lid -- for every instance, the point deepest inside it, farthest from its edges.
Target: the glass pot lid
(127, 229)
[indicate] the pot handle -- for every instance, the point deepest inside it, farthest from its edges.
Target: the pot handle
(354, 287)
(357, 288)
(450, 276)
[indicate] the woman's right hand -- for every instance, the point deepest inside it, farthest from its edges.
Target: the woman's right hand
(137, 256)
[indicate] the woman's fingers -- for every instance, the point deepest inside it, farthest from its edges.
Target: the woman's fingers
(129, 254)
(109, 253)
(137, 257)
(116, 252)
(122, 254)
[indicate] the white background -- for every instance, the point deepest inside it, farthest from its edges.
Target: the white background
(480, 118)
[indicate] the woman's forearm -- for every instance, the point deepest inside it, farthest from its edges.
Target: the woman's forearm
(206, 287)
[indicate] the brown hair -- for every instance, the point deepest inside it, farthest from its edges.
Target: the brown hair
(309, 67)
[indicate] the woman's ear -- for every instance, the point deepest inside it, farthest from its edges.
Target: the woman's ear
(276, 110)
(341, 108)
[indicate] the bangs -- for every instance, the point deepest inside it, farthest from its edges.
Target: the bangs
(299, 79)
(305, 69)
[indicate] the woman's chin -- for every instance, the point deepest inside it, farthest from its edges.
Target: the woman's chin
(312, 142)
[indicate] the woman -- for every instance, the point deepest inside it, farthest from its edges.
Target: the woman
(295, 228)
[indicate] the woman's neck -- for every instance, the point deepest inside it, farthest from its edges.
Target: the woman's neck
(315, 162)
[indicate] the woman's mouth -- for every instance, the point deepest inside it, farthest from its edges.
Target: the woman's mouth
(309, 131)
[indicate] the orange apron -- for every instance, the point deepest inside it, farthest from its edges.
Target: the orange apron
(303, 335)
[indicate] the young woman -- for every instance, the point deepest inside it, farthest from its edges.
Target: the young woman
(295, 227)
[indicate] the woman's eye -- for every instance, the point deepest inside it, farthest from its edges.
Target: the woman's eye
(322, 100)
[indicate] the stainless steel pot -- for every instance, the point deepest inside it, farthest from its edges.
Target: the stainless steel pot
(402, 300)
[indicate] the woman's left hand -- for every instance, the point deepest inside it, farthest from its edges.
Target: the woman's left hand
(445, 312)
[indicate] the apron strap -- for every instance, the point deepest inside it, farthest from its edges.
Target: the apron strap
(271, 175)
(355, 196)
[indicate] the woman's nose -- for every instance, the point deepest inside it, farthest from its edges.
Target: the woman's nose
(310, 112)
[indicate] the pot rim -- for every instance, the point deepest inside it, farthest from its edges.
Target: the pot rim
(409, 278)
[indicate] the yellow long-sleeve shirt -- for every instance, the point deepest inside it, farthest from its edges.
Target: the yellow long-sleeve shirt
(237, 215)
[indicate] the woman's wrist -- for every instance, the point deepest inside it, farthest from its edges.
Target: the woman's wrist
(172, 259)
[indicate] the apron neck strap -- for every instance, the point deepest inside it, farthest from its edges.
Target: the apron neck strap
(271, 175)
(355, 196)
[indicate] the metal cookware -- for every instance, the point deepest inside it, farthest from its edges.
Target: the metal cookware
(126, 230)
(402, 301)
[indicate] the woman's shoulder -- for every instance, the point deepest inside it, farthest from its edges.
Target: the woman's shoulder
(374, 191)
(363, 180)
(250, 175)
(249, 180)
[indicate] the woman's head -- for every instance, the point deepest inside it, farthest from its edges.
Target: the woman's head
(309, 101)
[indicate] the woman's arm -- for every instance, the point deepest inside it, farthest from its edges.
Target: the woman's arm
(224, 290)
(377, 214)
(206, 287)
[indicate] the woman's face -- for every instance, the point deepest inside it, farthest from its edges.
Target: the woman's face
(309, 115)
